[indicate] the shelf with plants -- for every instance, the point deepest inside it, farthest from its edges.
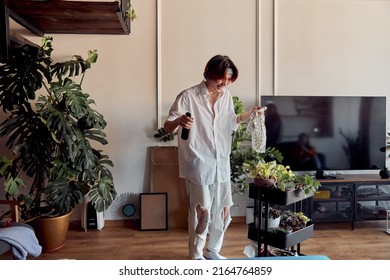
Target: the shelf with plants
(275, 184)
(285, 235)
(280, 238)
(276, 196)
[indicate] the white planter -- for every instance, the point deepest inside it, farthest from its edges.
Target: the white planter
(273, 223)
(249, 215)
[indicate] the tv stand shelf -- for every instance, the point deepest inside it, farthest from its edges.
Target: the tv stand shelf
(351, 198)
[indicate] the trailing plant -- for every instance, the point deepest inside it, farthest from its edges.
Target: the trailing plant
(131, 14)
(49, 130)
(239, 136)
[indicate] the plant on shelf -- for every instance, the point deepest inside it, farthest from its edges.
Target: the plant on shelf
(131, 14)
(293, 220)
(279, 176)
(274, 213)
(49, 128)
(290, 222)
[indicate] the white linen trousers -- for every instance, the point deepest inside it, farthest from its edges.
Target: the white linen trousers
(213, 198)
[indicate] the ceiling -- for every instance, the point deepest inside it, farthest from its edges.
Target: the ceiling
(70, 17)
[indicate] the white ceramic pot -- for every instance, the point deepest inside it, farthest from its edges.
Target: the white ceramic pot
(273, 223)
(249, 215)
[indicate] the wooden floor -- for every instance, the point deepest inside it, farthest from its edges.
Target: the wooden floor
(368, 241)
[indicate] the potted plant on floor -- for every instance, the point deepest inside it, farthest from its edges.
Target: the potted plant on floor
(49, 128)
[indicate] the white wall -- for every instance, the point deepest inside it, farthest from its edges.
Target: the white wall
(194, 31)
(324, 47)
(337, 47)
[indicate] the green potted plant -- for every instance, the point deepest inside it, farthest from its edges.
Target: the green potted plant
(293, 220)
(274, 213)
(278, 176)
(290, 222)
(242, 152)
(274, 216)
(49, 128)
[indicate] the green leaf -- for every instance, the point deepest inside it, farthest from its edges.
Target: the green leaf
(163, 135)
(102, 194)
(92, 56)
(63, 195)
(12, 185)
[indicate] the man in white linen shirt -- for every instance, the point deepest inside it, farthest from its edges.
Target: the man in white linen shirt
(204, 158)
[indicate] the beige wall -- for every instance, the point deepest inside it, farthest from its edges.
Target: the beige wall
(324, 47)
(194, 31)
(337, 47)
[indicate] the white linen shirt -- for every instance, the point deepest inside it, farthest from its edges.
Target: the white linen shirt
(204, 158)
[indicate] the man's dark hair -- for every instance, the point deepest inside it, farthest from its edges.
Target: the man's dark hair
(217, 67)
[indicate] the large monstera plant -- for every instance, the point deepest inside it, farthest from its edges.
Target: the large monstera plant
(49, 126)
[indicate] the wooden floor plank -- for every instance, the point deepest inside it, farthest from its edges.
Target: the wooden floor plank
(368, 241)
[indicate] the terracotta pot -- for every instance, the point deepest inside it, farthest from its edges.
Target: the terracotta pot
(266, 183)
(51, 232)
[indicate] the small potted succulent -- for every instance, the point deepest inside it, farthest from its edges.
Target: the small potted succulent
(274, 215)
(293, 220)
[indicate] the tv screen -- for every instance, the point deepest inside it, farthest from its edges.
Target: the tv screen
(338, 133)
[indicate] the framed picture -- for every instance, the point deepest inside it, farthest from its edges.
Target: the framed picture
(154, 211)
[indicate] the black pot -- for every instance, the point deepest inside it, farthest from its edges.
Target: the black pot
(384, 173)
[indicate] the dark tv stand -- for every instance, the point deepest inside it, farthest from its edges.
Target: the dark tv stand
(343, 200)
(328, 177)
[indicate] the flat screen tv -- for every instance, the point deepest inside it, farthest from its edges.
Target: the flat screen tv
(334, 134)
